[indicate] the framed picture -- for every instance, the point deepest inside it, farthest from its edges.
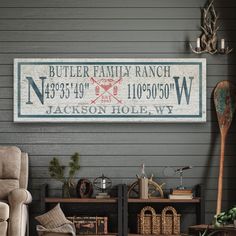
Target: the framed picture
(110, 90)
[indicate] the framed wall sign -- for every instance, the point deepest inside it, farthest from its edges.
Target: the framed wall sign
(110, 90)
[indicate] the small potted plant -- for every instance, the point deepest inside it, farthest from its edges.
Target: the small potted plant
(225, 218)
(206, 232)
(57, 171)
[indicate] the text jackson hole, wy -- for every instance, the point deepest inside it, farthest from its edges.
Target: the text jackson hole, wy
(113, 110)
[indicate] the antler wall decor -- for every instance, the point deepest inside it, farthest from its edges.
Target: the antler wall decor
(208, 41)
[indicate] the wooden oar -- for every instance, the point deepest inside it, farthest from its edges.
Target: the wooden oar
(224, 99)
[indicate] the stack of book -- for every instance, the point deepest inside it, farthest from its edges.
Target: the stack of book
(181, 194)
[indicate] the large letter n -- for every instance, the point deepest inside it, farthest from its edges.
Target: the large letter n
(39, 94)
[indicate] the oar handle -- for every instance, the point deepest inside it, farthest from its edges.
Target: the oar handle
(221, 173)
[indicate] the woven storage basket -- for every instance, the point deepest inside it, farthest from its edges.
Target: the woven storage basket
(170, 223)
(149, 223)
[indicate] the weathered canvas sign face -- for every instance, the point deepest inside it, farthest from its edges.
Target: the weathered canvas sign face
(109, 90)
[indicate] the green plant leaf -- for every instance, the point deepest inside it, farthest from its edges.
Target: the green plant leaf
(56, 171)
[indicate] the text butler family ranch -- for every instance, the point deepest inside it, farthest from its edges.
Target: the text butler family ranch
(107, 90)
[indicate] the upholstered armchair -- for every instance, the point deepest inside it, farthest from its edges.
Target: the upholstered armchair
(13, 194)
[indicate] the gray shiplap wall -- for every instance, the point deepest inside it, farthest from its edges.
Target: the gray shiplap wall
(126, 29)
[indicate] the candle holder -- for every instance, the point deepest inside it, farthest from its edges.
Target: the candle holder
(198, 50)
(208, 41)
(226, 50)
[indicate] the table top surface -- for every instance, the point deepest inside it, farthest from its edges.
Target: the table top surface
(211, 227)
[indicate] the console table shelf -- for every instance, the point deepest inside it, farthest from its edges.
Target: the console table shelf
(80, 200)
(163, 200)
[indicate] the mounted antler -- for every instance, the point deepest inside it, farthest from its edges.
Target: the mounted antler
(209, 39)
(209, 27)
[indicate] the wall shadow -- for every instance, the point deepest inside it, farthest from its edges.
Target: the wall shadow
(226, 19)
(228, 63)
(229, 196)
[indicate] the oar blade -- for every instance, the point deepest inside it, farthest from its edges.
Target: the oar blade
(225, 99)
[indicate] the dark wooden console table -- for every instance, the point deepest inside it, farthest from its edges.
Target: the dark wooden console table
(120, 209)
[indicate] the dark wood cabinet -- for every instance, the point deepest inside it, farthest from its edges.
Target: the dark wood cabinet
(121, 210)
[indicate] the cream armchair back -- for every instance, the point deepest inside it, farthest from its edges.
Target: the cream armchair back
(14, 196)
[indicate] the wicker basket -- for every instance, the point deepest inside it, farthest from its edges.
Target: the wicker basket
(170, 223)
(149, 223)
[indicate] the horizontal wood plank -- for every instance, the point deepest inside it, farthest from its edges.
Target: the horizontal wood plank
(7, 58)
(96, 47)
(115, 138)
(114, 3)
(108, 24)
(106, 36)
(125, 149)
(109, 12)
(136, 160)
(127, 172)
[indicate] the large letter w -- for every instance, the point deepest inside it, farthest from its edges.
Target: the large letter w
(179, 91)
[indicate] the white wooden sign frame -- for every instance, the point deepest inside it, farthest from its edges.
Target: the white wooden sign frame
(109, 90)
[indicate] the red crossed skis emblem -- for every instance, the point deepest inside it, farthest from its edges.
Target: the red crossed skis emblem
(106, 88)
